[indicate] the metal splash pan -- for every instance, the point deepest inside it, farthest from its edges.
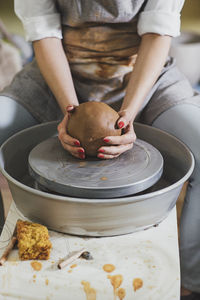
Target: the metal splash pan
(134, 171)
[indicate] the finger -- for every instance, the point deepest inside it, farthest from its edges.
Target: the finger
(71, 108)
(59, 126)
(62, 134)
(107, 156)
(123, 139)
(122, 123)
(124, 119)
(114, 150)
(63, 124)
(76, 152)
(67, 139)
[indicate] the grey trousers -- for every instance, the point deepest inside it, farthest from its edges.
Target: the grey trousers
(181, 120)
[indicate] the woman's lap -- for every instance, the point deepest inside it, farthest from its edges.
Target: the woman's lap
(13, 118)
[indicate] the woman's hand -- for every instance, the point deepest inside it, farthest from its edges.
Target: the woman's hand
(119, 144)
(69, 143)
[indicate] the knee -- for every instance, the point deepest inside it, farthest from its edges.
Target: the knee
(183, 121)
(7, 112)
(13, 118)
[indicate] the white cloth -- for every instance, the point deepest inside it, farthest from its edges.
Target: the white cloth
(41, 18)
(151, 255)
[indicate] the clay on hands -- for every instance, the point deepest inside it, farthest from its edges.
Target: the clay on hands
(90, 123)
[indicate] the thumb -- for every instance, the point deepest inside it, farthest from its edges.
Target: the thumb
(123, 120)
(62, 127)
(71, 108)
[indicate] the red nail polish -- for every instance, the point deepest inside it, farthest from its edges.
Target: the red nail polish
(82, 156)
(101, 150)
(101, 156)
(81, 151)
(77, 143)
(106, 140)
(121, 124)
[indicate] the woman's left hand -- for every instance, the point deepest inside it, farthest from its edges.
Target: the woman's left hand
(119, 144)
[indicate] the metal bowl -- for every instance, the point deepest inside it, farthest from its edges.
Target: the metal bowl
(95, 217)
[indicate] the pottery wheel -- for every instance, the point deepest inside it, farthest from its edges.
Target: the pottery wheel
(132, 172)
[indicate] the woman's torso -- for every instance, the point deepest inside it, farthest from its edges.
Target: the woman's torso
(100, 40)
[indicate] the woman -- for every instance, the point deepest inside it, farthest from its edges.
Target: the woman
(117, 52)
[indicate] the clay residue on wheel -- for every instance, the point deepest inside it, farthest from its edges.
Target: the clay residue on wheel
(104, 178)
(82, 164)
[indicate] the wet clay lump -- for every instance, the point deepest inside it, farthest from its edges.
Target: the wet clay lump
(90, 122)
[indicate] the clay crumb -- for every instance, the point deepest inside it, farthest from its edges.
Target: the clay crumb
(104, 178)
(73, 266)
(82, 164)
(137, 284)
(89, 291)
(37, 266)
(108, 268)
(121, 293)
(116, 280)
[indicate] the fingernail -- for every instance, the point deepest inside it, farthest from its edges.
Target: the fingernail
(100, 155)
(101, 150)
(82, 156)
(106, 140)
(81, 151)
(69, 106)
(77, 143)
(121, 124)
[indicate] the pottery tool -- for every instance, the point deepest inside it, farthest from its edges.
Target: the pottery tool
(72, 256)
(9, 248)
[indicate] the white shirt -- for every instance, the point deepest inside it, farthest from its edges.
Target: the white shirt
(41, 18)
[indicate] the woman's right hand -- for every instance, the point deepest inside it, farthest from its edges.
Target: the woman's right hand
(69, 143)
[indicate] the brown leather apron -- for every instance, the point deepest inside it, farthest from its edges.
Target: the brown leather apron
(100, 40)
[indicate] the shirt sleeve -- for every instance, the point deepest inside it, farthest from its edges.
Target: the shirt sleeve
(161, 17)
(40, 18)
